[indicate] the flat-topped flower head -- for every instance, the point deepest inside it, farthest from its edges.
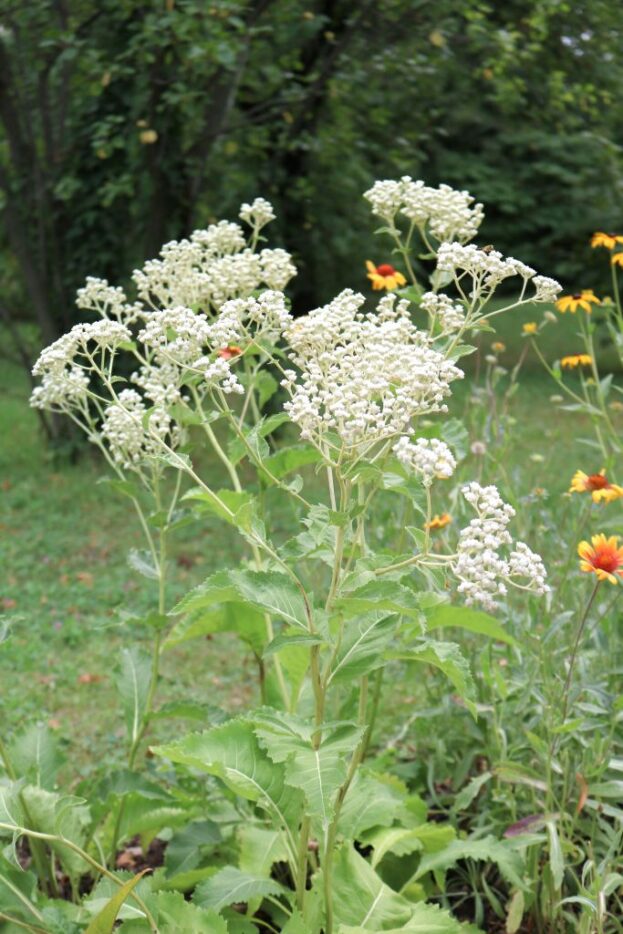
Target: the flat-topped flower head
(384, 276)
(447, 214)
(602, 557)
(607, 240)
(530, 327)
(574, 360)
(584, 300)
(597, 484)
(362, 376)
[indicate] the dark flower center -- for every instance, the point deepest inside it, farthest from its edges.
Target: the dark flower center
(385, 270)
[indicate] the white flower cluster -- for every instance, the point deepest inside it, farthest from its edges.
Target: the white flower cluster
(133, 436)
(480, 565)
(60, 390)
(429, 457)
(362, 376)
(447, 213)
(487, 268)
(107, 301)
(257, 214)
(214, 265)
(443, 311)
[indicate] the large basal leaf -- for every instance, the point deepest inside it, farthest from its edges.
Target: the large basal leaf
(175, 915)
(487, 849)
(471, 620)
(361, 898)
(369, 802)
(448, 658)
(232, 752)
(260, 848)
(425, 919)
(231, 886)
(133, 681)
(318, 772)
(270, 591)
(61, 815)
(363, 645)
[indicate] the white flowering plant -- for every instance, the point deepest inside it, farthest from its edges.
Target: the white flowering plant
(358, 423)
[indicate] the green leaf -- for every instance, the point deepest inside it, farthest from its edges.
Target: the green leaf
(269, 591)
(232, 752)
(472, 620)
(556, 859)
(360, 896)
(388, 596)
(104, 921)
(318, 772)
(184, 850)
(260, 848)
(235, 616)
(362, 646)
(231, 886)
(448, 658)
(466, 795)
(508, 860)
(286, 641)
(425, 919)
(175, 915)
(143, 562)
(36, 756)
(61, 815)
(515, 913)
(236, 508)
(369, 802)
(133, 682)
(293, 458)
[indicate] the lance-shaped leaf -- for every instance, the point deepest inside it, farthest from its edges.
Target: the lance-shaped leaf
(448, 658)
(133, 683)
(363, 645)
(230, 886)
(270, 591)
(104, 921)
(463, 617)
(232, 752)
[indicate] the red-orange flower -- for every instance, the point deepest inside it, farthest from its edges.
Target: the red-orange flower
(228, 353)
(439, 521)
(384, 276)
(602, 557)
(597, 484)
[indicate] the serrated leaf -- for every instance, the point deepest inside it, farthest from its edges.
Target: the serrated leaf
(425, 919)
(369, 802)
(508, 860)
(246, 621)
(362, 646)
(231, 886)
(184, 849)
(448, 658)
(466, 795)
(36, 756)
(232, 752)
(143, 563)
(361, 898)
(387, 595)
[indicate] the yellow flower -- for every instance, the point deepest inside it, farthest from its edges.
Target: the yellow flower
(602, 557)
(576, 359)
(439, 522)
(597, 484)
(530, 327)
(583, 300)
(498, 347)
(617, 259)
(384, 276)
(608, 240)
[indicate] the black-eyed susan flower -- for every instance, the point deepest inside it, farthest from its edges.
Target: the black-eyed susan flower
(597, 484)
(617, 259)
(609, 240)
(439, 521)
(576, 359)
(384, 276)
(583, 300)
(229, 353)
(530, 327)
(602, 557)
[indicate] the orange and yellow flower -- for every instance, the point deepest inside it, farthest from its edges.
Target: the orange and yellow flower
(583, 300)
(439, 522)
(597, 484)
(576, 359)
(228, 353)
(609, 240)
(602, 557)
(530, 327)
(498, 347)
(617, 259)
(384, 276)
